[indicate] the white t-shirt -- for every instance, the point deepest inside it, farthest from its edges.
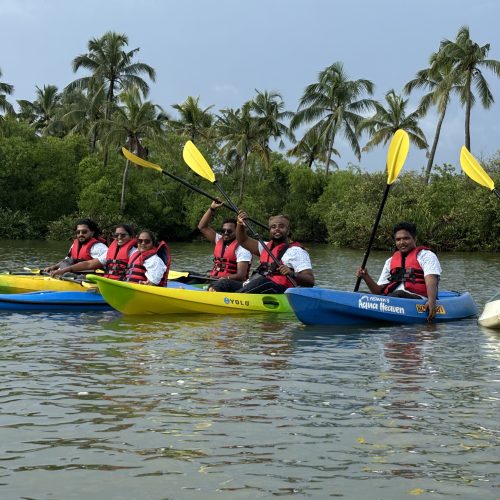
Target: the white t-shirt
(155, 268)
(103, 259)
(242, 254)
(295, 258)
(97, 250)
(428, 262)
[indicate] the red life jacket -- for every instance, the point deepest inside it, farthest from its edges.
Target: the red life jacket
(406, 269)
(117, 259)
(137, 270)
(80, 252)
(268, 267)
(224, 259)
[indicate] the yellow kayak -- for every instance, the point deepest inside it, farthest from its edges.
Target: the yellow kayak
(132, 298)
(16, 283)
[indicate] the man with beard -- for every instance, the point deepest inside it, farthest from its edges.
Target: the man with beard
(231, 260)
(87, 245)
(412, 272)
(294, 265)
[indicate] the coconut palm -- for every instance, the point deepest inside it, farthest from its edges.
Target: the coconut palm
(194, 121)
(311, 148)
(5, 90)
(383, 124)
(441, 81)
(110, 64)
(468, 59)
(333, 105)
(130, 123)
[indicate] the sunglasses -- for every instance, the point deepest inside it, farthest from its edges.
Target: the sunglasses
(82, 231)
(120, 235)
(226, 231)
(145, 241)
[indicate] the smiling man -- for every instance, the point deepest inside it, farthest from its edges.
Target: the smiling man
(294, 264)
(412, 271)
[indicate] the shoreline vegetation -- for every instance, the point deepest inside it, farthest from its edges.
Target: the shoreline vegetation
(60, 154)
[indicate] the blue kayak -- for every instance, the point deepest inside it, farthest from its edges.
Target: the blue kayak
(55, 301)
(321, 306)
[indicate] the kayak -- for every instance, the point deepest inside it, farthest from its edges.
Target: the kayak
(490, 317)
(52, 301)
(321, 306)
(132, 298)
(20, 283)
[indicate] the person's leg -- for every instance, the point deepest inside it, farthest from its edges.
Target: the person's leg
(224, 285)
(261, 284)
(403, 294)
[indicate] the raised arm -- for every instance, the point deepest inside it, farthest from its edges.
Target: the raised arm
(251, 244)
(203, 225)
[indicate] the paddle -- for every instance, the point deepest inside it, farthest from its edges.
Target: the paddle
(396, 157)
(472, 168)
(178, 275)
(147, 164)
(199, 165)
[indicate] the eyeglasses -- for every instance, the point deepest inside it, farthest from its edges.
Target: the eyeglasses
(82, 231)
(120, 235)
(145, 241)
(226, 231)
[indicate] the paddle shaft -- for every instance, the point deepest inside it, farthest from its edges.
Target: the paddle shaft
(372, 236)
(253, 232)
(497, 192)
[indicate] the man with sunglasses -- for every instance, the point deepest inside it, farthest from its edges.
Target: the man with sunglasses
(231, 260)
(290, 265)
(88, 245)
(116, 259)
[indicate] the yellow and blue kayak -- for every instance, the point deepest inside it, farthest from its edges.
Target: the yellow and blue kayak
(20, 283)
(132, 298)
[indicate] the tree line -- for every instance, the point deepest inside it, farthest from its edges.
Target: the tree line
(59, 154)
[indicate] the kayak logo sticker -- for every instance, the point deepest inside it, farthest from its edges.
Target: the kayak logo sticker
(236, 302)
(439, 309)
(380, 304)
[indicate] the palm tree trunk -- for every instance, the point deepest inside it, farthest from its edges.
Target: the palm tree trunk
(432, 154)
(124, 182)
(329, 154)
(243, 178)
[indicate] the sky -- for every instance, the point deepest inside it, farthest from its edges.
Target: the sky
(225, 50)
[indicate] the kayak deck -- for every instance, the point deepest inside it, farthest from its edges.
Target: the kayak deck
(490, 317)
(132, 298)
(15, 283)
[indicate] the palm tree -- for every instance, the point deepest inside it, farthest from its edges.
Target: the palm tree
(194, 121)
(310, 149)
(5, 90)
(441, 81)
(384, 123)
(130, 124)
(333, 104)
(110, 64)
(468, 59)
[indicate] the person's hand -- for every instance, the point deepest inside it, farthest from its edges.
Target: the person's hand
(286, 271)
(58, 272)
(361, 272)
(216, 204)
(430, 307)
(242, 217)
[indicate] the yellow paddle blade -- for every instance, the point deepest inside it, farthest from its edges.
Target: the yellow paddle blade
(197, 162)
(139, 161)
(396, 156)
(472, 168)
(175, 275)
(31, 270)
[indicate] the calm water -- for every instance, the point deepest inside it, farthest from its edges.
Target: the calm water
(111, 407)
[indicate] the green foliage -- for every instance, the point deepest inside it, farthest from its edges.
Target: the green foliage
(16, 225)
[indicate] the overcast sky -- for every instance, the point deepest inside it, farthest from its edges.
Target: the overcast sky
(222, 50)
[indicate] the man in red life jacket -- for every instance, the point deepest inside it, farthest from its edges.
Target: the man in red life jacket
(294, 267)
(88, 245)
(412, 271)
(231, 260)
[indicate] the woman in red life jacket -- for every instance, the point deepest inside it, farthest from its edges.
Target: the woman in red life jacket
(150, 264)
(231, 260)
(87, 245)
(294, 265)
(115, 262)
(412, 271)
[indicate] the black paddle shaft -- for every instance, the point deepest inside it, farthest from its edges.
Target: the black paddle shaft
(372, 236)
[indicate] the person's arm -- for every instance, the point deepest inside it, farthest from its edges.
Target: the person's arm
(155, 269)
(251, 244)
(372, 285)
(86, 265)
(431, 283)
(203, 225)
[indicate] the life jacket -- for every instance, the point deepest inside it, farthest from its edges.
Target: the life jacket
(80, 252)
(268, 267)
(117, 259)
(137, 270)
(224, 259)
(406, 269)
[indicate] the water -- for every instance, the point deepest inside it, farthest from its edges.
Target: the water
(112, 407)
